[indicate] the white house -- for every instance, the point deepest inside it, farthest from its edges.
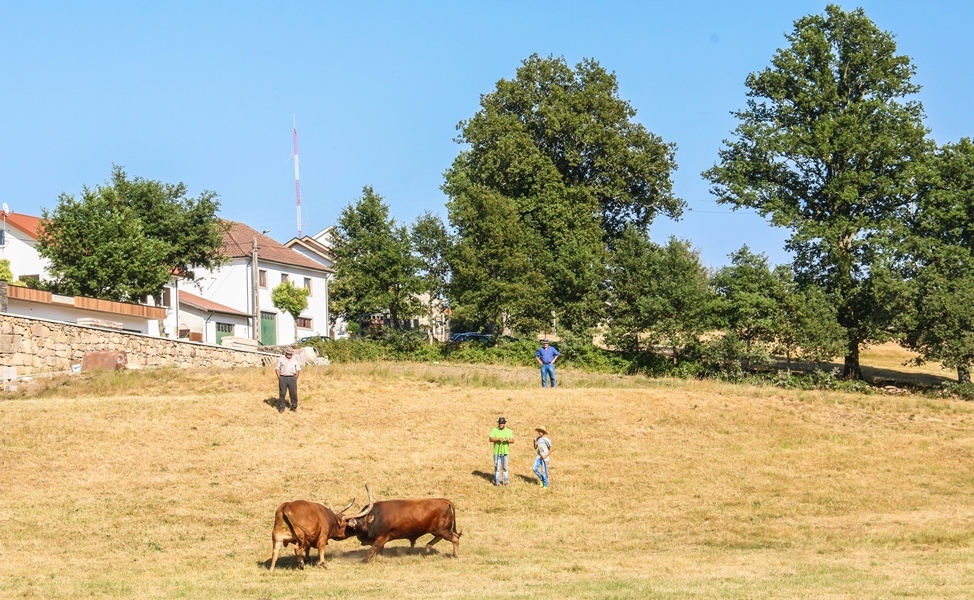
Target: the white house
(318, 248)
(18, 241)
(256, 264)
(222, 303)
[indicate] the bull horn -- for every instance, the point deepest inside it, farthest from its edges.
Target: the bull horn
(367, 508)
(347, 507)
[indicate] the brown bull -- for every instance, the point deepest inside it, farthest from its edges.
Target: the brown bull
(388, 520)
(309, 525)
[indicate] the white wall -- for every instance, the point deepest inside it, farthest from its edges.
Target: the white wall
(232, 286)
(18, 248)
(69, 314)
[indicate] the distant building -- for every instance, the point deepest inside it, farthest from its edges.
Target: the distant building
(221, 304)
(231, 289)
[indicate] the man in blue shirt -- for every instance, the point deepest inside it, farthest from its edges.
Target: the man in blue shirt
(546, 357)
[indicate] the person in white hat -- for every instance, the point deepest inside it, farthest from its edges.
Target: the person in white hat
(542, 444)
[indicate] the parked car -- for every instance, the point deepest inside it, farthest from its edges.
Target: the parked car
(314, 338)
(471, 336)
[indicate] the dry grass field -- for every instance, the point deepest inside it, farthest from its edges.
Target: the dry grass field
(164, 484)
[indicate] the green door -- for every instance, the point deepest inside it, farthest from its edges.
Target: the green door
(222, 331)
(268, 328)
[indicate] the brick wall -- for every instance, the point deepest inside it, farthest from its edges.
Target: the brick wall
(39, 346)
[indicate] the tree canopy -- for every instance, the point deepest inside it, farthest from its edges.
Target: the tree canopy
(124, 240)
(554, 160)
(5, 273)
(829, 147)
(431, 243)
(375, 269)
(936, 243)
(659, 295)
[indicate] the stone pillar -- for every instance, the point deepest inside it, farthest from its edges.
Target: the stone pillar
(3, 296)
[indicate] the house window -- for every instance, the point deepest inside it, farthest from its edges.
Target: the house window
(3, 237)
(304, 322)
(284, 277)
(167, 297)
(307, 284)
(262, 278)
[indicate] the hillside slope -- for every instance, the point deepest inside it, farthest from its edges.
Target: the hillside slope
(164, 484)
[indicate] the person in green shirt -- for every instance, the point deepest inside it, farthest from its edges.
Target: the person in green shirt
(502, 438)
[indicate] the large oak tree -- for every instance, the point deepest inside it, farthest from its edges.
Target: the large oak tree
(557, 152)
(827, 147)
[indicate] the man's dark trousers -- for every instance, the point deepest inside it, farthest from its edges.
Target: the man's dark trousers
(289, 384)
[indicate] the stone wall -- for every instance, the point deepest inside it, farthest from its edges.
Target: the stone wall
(39, 346)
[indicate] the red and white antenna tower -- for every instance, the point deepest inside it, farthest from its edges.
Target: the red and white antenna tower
(297, 176)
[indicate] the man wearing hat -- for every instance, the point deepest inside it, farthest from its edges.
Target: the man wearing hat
(287, 371)
(546, 357)
(542, 444)
(502, 437)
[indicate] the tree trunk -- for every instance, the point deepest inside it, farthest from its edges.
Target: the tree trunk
(963, 373)
(851, 368)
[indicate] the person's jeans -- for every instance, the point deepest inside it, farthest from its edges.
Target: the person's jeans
(289, 384)
(500, 466)
(547, 371)
(541, 470)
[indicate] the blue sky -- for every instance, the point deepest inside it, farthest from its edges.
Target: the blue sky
(205, 92)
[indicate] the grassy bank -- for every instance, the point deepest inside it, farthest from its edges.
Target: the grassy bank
(164, 484)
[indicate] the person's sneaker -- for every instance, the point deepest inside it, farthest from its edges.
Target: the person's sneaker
(540, 484)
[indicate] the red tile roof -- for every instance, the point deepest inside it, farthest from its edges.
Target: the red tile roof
(238, 242)
(25, 223)
(208, 305)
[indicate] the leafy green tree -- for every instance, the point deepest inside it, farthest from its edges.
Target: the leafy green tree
(5, 273)
(558, 147)
(493, 281)
(375, 270)
(829, 147)
(291, 299)
(659, 295)
(937, 317)
(751, 308)
(431, 243)
(123, 240)
(765, 310)
(810, 328)
(940, 325)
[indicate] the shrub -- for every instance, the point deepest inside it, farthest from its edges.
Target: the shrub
(349, 351)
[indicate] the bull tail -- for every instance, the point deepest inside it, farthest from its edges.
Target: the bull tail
(453, 513)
